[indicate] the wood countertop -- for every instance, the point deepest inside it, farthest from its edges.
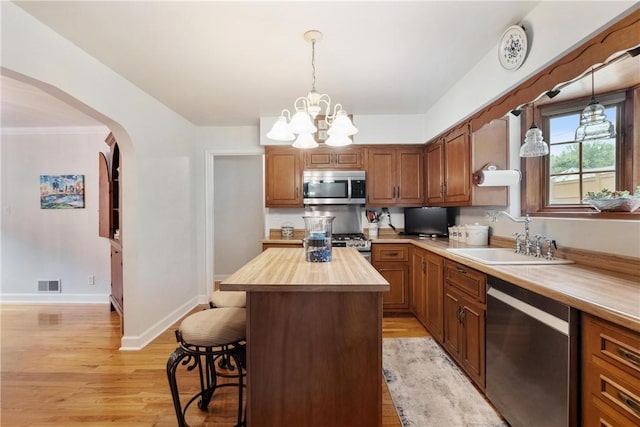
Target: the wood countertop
(608, 295)
(285, 270)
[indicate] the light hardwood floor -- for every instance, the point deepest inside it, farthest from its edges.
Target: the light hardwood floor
(61, 366)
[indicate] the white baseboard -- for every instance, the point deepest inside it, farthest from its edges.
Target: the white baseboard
(132, 343)
(54, 298)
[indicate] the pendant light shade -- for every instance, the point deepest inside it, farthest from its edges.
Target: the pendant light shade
(534, 145)
(308, 108)
(593, 121)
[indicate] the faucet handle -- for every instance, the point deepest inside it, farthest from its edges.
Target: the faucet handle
(550, 245)
(518, 242)
(538, 237)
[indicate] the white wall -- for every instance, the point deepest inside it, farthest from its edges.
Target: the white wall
(51, 244)
(159, 222)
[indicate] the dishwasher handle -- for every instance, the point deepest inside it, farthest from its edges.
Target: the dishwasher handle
(550, 320)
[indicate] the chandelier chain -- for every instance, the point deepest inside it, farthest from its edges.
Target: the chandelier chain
(313, 65)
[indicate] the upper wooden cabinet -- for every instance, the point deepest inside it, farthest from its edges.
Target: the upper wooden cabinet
(452, 160)
(449, 170)
(283, 177)
(395, 176)
(346, 158)
(109, 191)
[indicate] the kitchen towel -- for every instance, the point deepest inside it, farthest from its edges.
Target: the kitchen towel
(496, 178)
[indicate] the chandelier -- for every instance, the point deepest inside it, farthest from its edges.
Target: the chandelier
(300, 127)
(593, 121)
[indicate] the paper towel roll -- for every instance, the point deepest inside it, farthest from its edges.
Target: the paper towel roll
(489, 178)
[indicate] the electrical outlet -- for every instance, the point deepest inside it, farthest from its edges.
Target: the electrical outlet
(92, 280)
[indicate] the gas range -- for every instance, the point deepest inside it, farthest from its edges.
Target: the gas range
(351, 240)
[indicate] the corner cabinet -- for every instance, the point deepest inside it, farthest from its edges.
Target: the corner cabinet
(395, 176)
(427, 290)
(449, 170)
(110, 219)
(283, 177)
(465, 318)
(392, 261)
(452, 160)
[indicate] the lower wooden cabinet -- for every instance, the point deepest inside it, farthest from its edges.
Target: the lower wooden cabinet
(392, 261)
(610, 374)
(427, 290)
(465, 318)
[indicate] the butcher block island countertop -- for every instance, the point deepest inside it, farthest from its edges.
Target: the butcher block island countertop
(314, 339)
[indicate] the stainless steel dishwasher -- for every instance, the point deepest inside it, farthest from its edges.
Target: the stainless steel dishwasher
(532, 357)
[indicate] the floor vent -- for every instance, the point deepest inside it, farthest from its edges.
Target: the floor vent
(48, 285)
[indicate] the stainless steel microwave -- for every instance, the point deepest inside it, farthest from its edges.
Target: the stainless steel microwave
(333, 187)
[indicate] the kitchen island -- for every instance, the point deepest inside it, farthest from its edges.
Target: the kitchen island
(314, 339)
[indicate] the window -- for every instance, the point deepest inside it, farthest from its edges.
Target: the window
(575, 168)
(555, 185)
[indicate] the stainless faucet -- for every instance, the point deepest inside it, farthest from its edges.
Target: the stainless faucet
(526, 220)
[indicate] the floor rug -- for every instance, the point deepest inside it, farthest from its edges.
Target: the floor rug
(429, 390)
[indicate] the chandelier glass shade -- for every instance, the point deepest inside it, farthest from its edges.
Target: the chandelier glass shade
(534, 145)
(300, 127)
(593, 121)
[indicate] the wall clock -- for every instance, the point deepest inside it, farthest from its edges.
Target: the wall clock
(512, 50)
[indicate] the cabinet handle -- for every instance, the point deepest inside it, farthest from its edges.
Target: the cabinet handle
(441, 188)
(461, 270)
(629, 356)
(631, 403)
(398, 192)
(296, 193)
(392, 253)
(463, 315)
(424, 267)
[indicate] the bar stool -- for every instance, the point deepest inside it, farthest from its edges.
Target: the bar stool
(203, 338)
(220, 299)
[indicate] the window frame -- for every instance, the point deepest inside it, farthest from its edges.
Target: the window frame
(536, 170)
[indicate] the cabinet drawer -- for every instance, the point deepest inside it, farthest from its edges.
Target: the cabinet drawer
(612, 386)
(391, 252)
(602, 415)
(468, 280)
(613, 344)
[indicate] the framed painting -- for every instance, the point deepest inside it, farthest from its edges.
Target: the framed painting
(61, 191)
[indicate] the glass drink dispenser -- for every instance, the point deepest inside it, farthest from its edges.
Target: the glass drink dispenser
(317, 238)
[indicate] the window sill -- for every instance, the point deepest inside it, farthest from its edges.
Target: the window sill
(585, 214)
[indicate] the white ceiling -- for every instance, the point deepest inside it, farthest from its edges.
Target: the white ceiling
(228, 63)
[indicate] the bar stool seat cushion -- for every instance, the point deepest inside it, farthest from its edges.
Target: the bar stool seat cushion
(214, 328)
(221, 299)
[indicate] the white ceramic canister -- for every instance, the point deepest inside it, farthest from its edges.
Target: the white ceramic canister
(477, 235)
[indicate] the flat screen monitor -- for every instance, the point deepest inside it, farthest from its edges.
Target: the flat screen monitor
(426, 221)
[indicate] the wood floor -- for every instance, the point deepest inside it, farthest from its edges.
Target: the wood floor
(61, 366)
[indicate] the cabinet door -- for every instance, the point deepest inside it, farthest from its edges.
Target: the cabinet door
(434, 294)
(381, 181)
(490, 144)
(452, 325)
(397, 274)
(344, 158)
(117, 298)
(410, 179)
(473, 345)
(283, 178)
(457, 169)
(435, 173)
(418, 285)
(104, 198)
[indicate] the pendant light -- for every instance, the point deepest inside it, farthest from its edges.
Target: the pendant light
(593, 121)
(534, 145)
(300, 126)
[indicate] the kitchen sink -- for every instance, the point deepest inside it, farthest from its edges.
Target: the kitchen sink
(503, 256)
